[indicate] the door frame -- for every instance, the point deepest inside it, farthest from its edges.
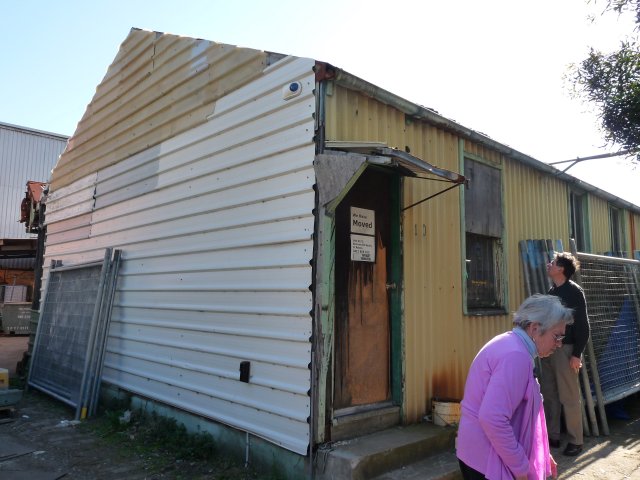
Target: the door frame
(394, 276)
(337, 173)
(337, 169)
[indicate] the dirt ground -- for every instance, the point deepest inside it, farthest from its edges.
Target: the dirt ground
(39, 440)
(52, 447)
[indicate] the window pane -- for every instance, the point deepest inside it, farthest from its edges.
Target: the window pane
(482, 291)
(578, 227)
(616, 232)
(482, 199)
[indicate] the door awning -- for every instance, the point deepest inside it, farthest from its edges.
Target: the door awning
(407, 164)
(374, 153)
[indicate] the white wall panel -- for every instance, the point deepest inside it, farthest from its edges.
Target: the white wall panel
(227, 207)
(268, 232)
(255, 279)
(225, 388)
(200, 175)
(271, 375)
(66, 236)
(216, 228)
(69, 224)
(75, 200)
(271, 303)
(279, 352)
(279, 429)
(84, 196)
(249, 254)
(263, 326)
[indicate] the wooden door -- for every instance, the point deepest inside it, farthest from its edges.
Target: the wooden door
(362, 343)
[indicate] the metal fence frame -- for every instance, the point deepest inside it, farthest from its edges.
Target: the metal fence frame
(606, 318)
(75, 348)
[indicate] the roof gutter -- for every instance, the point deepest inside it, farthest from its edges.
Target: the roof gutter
(351, 82)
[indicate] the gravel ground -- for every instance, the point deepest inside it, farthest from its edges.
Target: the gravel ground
(40, 441)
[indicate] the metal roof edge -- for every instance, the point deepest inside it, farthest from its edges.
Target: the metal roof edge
(33, 131)
(352, 82)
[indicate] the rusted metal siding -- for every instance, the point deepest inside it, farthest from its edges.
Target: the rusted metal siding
(216, 228)
(536, 206)
(432, 290)
(599, 224)
(600, 218)
(158, 86)
(25, 154)
(439, 340)
(431, 239)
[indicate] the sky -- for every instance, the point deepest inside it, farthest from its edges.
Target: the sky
(496, 66)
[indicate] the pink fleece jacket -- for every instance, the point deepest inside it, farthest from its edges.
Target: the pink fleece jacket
(502, 431)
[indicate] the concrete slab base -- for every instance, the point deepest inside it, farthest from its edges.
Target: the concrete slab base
(10, 397)
(373, 455)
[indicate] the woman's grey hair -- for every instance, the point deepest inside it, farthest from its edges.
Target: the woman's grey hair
(545, 310)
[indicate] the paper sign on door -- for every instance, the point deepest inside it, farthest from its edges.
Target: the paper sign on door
(363, 248)
(363, 230)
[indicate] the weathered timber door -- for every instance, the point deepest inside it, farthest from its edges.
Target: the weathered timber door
(363, 334)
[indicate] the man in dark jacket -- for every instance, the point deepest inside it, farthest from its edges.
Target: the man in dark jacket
(559, 378)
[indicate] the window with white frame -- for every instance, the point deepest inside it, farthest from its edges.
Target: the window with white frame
(483, 238)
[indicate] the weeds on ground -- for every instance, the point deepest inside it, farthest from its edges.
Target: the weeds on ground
(167, 448)
(17, 382)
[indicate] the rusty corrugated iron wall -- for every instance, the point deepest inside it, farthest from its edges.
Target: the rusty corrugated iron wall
(535, 207)
(599, 219)
(440, 341)
(599, 225)
(435, 358)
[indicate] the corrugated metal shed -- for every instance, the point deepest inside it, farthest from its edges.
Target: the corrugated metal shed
(25, 154)
(440, 340)
(215, 224)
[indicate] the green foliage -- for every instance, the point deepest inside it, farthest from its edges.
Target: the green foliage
(165, 433)
(622, 6)
(612, 83)
(168, 449)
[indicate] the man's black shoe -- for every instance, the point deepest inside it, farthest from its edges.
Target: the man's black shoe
(554, 443)
(572, 450)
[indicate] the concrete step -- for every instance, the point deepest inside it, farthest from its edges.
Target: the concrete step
(442, 466)
(373, 455)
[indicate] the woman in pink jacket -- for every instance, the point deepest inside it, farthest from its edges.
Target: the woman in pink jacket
(502, 432)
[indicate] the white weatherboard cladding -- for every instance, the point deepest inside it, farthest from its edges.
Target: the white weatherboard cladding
(65, 206)
(216, 230)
